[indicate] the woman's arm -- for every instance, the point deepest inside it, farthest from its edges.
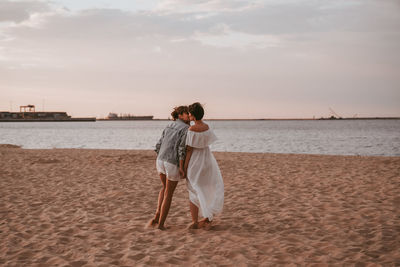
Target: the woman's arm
(158, 145)
(182, 153)
(189, 151)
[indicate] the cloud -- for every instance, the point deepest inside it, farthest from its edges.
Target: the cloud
(243, 53)
(204, 6)
(254, 20)
(297, 26)
(11, 11)
(222, 36)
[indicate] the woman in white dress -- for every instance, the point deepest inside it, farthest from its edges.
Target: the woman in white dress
(204, 180)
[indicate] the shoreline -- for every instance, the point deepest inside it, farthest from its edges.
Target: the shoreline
(213, 151)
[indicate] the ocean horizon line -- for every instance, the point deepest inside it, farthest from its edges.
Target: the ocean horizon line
(294, 119)
(94, 119)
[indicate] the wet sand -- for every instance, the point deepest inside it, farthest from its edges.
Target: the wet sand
(71, 207)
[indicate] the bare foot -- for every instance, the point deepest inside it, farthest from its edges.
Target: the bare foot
(152, 223)
(162, 227)
(194, 226)
(204, 222)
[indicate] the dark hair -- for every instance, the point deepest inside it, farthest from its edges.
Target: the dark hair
(196, 109)
(179, 111)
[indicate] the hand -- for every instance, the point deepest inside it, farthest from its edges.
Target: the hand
(182, 173)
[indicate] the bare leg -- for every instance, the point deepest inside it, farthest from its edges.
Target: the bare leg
(156, 218)
(194, 211)
(166, 204)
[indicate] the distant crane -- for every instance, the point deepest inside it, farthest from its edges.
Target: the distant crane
(334, 113)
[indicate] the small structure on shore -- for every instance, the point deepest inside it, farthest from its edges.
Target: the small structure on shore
(28, 113)
(114, 116)
(31, 108)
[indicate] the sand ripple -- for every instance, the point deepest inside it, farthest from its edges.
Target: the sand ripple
(67, 207)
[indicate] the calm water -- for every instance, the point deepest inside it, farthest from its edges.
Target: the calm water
(359, 137)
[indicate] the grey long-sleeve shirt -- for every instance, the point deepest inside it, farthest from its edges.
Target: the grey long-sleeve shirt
(172, 145)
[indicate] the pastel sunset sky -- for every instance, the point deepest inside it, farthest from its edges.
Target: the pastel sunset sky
(242, 59)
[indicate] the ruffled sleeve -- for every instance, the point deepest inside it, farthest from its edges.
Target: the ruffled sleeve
(200, 139)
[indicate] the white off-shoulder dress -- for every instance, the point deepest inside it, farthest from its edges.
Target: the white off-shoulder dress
(204, 179)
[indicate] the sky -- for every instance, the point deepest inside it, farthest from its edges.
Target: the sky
(239, 58)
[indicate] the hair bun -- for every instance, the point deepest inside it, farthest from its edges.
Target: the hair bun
(174, 114)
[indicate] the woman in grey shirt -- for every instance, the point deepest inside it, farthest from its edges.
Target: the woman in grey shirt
(171, 149)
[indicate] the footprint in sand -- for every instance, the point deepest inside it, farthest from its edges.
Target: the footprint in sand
(78, 263)
(137, 257)
(219, 227)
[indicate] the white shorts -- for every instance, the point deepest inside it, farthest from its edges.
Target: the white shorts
(169, 169)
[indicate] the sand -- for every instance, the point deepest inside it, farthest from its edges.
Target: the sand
(69, 207)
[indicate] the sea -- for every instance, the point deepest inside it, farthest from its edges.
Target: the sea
(327, 137)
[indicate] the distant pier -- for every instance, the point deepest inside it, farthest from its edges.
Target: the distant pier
(29, 114)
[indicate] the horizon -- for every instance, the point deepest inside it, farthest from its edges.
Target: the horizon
(241, 59)
(332, 115)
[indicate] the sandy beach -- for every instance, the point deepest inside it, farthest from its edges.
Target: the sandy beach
(71, 207)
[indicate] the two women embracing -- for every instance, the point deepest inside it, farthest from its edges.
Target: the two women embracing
(183, 152)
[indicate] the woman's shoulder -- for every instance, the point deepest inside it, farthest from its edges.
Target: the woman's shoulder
(199, 128)
(178, 125)
(200, 137)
